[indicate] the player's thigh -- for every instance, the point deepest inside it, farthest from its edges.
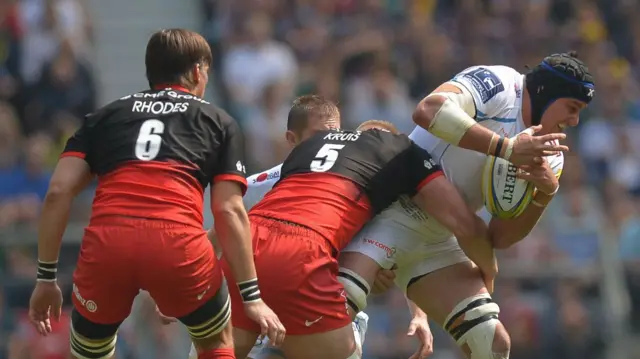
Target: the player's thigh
(183, 276)
(453, 284)
(335, 344)
(104, 284)
(357, 274)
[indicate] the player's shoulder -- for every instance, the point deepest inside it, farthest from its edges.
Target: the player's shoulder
(269, 176)
(493, 87)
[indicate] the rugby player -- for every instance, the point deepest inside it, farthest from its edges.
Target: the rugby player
(309, 114)
(154, 153)
(331, 184)
(500, 101)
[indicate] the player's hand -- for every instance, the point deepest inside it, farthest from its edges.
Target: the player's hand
(163, 318)
(530, 150)
(270, 325)
(384, 281)
(489, 273)
(46, 301)
(541, 176)
(419, 327)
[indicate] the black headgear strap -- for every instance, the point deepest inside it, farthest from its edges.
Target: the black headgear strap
(546, 84)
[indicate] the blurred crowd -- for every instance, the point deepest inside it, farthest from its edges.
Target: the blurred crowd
(377, 58)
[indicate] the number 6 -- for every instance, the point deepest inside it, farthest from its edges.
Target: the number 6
(325, 158)
(149, 139)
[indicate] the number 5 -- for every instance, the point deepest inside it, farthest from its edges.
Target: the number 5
(325, 158)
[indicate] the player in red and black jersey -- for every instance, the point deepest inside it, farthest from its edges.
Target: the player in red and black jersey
(154, 153)
(330, 186)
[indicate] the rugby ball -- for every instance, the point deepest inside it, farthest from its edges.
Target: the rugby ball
(505, 195)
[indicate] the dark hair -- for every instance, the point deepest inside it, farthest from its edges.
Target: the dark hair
(172, 53)
(307, 106)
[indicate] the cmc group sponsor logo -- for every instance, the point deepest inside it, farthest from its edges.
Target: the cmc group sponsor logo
(389, 250)
(266, 176)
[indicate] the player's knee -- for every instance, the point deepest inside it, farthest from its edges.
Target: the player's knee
(208, 325)
(91, 340)
(474, 323)
(356, 287)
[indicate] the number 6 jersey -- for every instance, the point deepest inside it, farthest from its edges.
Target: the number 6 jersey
(336, 181)
(155, 152)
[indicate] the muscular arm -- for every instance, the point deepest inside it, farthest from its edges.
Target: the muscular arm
(442, 201)
(232, 229)
(452, 119)
(70, 176)
(506, 232)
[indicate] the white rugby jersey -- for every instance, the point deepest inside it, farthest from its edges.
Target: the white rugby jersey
(497, 92)
(259, 184)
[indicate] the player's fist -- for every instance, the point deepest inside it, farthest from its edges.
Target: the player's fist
(270, 325)
(46, 301)
(384, 281)
(541, 176)
(530, 150)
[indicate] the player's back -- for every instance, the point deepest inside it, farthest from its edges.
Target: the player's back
(154, 153)
(335, 181)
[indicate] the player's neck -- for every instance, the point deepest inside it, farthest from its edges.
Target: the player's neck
(526, 107)
(175, 87)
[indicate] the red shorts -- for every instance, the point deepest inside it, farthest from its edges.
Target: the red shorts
(120, 256)
(297, 274)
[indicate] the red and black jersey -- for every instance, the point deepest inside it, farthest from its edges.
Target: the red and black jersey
(155, 152)
(336, 181)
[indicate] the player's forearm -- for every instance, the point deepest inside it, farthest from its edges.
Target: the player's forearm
(506, 232)
(52, 224)
(447, 120)
(415, 310)
(234, 236)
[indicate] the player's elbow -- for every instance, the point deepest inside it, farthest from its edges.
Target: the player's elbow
(470, 227)
(427, 109)
(229, 211)
(59, 191)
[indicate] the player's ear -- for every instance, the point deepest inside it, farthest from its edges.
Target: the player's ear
(291, 137)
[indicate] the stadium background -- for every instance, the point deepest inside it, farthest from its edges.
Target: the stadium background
(571, 290)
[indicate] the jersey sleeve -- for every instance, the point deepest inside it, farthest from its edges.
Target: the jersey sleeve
(78, 144)
(231, 160)
(488, 87)
(421, 168)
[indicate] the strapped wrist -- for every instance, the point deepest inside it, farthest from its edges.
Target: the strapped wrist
(47, 271)
(249, 290)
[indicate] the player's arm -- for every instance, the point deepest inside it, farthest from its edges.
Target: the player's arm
(436, 196)
(449, 112)
(231, 222)
(506, 232)
(71, 175)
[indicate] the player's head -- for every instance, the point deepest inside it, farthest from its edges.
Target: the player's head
(378, 124)
(308, 115)
(178, 57)
(559, 88)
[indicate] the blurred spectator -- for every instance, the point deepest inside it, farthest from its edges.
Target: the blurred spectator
(256, 62)
(66, 85)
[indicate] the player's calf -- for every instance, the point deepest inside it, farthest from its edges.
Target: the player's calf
(91, 340)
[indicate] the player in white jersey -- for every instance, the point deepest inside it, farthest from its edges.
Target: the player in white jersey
(482, 103)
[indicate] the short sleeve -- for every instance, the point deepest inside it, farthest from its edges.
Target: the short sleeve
(78, 144)
(422, 168)
(231, 166)
(493, 89)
